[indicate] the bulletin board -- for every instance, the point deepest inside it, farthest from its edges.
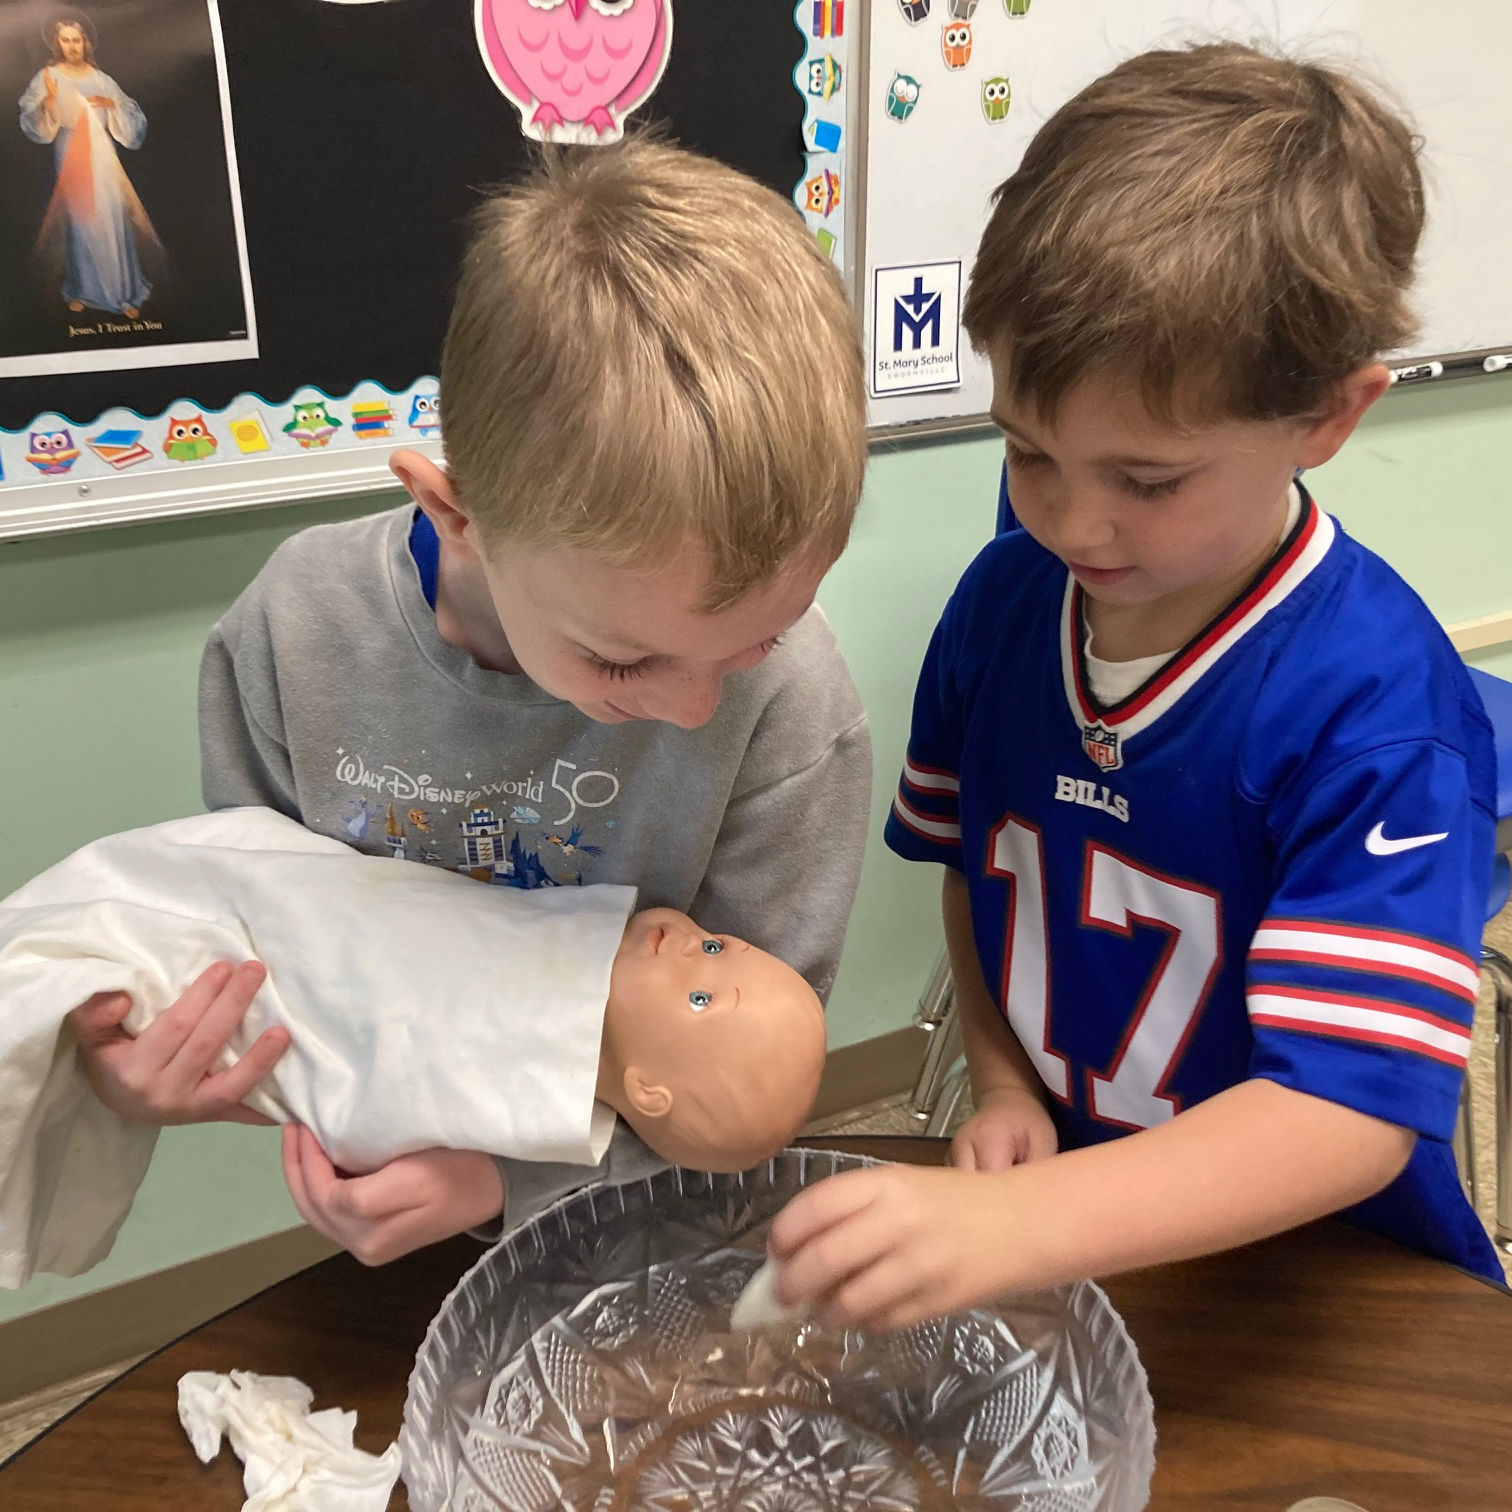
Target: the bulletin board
(305, 170)
(956, 88)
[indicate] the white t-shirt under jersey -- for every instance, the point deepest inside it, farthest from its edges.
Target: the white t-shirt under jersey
(1113, 681)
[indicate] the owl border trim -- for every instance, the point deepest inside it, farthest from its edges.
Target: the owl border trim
(823, 77)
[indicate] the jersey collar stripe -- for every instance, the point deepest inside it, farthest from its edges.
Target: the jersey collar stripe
(1365, 1019)
(1072, 671)
(1309, 545)
(1366, 950)
(930, 779)
(939, 830)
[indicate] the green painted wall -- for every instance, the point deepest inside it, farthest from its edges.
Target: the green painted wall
(100, 637)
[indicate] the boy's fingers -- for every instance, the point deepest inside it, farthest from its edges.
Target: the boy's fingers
(209, 1036)
(294, 1175)
(386, 1242)
(241, 1114)
(998, 1153)
(229, 1087)
(161, 1041)
(874, 1296)
(99, 1018)
(384, 1194)
(834, 1258)
(344, 1199)
(819, 1208)
(317, 1172)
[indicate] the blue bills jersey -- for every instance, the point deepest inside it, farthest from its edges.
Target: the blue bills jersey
(1270, 860)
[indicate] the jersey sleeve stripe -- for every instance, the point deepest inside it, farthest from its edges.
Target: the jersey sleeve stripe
(929, 779)
(941, 831)
(1382, 951)
(1370, 1020)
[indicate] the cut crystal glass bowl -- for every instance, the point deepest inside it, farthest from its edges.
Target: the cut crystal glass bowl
(587, 1364)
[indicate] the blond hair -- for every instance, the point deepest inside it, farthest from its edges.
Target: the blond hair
(1230, 231)
(648, 348)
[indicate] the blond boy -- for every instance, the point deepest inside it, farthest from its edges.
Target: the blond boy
(589, 651)
(1212, 790)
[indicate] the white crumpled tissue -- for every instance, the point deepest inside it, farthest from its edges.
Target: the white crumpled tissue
(757, 1307)
(295, 1460)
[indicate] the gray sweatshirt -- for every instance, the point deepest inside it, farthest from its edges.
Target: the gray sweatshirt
(326, 693)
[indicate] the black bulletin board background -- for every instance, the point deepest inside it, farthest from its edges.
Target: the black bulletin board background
(364, 135)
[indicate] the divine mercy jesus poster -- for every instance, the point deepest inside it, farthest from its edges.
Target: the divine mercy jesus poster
(121, 235)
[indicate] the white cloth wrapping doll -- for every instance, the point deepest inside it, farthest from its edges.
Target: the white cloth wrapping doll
(424, 1008)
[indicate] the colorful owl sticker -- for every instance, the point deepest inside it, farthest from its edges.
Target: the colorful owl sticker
(574, 69)
(963, 10)
(188, 439)
(902, 96)
(997, 96)
(425, 414)
(956, 44)
(52, 452)
(914, 11)
(824, 77)
(313, 425)
(1016, 7)
(822, 193)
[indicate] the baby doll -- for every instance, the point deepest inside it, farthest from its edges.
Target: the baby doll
(423, 1008)
(712, 1049)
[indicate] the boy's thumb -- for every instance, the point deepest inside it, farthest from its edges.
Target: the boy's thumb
(100, 1015)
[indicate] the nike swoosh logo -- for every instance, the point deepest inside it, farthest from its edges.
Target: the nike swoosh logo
(1378, 845)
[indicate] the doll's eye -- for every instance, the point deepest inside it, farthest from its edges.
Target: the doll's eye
(713, 947)
(700, 1000)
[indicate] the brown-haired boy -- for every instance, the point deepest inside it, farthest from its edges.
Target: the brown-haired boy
(592, 654)
(1212, 790)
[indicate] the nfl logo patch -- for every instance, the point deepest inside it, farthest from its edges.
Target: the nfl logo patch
(1102, 745)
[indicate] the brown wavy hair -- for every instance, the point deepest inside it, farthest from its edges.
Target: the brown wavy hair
(79, 25)
(1229, 230)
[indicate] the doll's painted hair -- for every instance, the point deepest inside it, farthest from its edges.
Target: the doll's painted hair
(649, 348)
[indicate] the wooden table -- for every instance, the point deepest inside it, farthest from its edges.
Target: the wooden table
(1321, 1363)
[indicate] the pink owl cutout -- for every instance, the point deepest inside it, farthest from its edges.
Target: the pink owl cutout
(574, 69)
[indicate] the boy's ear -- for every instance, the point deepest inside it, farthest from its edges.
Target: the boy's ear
(431, 488)
(649, 1100)
(1327, 431)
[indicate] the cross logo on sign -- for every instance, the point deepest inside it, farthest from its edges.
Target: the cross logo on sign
(914, 311)
(915, 328)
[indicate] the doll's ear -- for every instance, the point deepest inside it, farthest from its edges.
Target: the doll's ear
(648, 1099)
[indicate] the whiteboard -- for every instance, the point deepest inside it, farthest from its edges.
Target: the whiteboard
(929, 175)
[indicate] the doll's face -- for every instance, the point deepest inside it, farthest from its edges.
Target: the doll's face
(671, 971)
(718, 1045)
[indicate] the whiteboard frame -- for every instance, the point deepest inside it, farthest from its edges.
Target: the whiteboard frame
(1456, 365)
(860, 135)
